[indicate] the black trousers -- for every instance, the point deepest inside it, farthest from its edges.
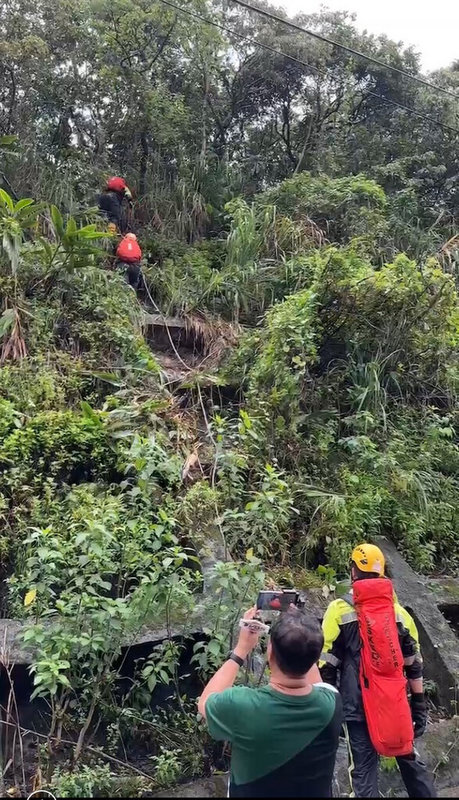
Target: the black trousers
(364, 767)
(132, 272)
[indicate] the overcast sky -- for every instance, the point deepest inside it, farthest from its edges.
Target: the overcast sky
(433, 29)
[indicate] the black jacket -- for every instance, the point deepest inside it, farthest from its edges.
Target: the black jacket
(115, 206)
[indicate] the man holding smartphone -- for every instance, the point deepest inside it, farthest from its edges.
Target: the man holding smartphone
(284, 736)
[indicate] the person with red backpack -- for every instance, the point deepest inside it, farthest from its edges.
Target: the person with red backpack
(129, 256)
(115, 204)
(371, 648)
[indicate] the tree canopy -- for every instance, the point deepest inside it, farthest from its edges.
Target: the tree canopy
(192, 114)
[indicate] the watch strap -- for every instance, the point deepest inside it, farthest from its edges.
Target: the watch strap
(236, 658)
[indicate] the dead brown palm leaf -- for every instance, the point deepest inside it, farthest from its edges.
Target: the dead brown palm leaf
(214, 334)
(13, 345)
(192, 466)
(449, 253)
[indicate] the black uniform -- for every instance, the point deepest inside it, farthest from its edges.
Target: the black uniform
(114, 206)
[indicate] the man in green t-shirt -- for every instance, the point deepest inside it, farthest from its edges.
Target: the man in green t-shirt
(284, 736)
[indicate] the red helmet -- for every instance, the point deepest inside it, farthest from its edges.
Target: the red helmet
(116, 184)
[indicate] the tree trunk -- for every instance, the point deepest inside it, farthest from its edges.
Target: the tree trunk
(202, 157)
(84, 729)
(299, 165)
(143, 163)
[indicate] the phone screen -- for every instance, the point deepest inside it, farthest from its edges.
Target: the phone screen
(276, 601)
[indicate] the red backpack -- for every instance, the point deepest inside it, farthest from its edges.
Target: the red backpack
(382, 679)
(128, 249)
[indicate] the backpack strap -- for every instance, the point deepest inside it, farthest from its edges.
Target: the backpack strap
(348, 598)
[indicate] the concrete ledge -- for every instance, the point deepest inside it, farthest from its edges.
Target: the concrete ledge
(208, 552)
(14, 651)
(439, 645)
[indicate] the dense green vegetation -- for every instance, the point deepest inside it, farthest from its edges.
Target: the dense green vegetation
(306, 230)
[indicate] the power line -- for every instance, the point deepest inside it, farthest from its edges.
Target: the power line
(414, 111)
(302, 63)
(242, 37)
(351, 50)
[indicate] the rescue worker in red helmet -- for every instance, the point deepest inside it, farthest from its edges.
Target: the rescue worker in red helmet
(129, 256)
(114, 203)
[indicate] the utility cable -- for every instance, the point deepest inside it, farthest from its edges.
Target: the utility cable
(348, 49)
(241, 36)
(302, 63)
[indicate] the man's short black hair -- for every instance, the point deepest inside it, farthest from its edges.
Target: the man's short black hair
(297, 641)
(360, 575)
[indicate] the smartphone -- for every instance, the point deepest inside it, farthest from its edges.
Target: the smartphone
(277, 601)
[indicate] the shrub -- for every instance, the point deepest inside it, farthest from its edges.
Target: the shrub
(84, 781)
(61, 446)
(343, 208)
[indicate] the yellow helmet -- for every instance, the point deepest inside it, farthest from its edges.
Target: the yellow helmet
(369, 558)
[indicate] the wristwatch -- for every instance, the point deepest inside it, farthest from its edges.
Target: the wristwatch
(233, 657)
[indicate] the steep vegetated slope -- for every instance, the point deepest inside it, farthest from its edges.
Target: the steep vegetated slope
(306, 232)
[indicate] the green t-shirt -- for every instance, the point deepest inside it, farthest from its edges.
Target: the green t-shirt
(282, 745)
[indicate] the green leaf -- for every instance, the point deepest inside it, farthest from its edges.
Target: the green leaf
(7, 200)
(71, 228)
(58, 222)
(108, 377)
(89, 412)
(7, 321)
(8, 139)
(24, 203)
(214, 647)
(47, 248)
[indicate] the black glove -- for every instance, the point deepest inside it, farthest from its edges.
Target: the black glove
(419, 713)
